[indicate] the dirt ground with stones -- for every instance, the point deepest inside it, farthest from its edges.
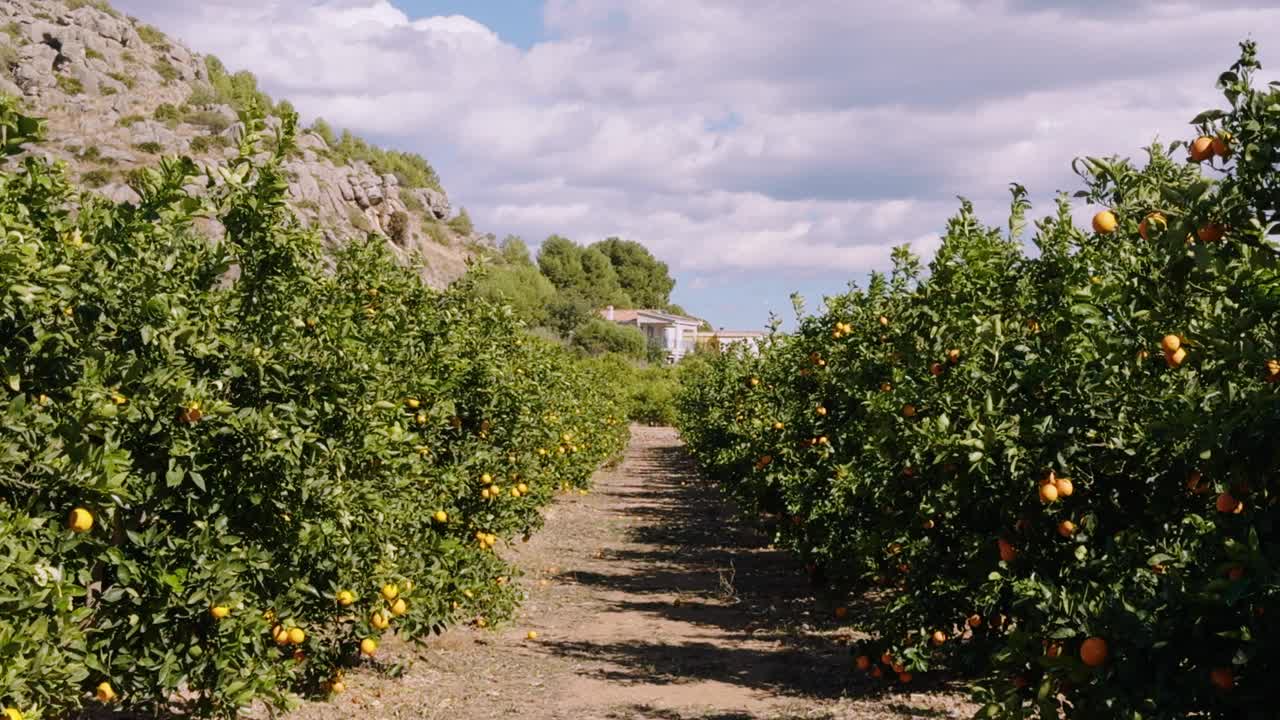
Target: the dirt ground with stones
(650, 601)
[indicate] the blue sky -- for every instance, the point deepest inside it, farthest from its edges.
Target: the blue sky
(759, 148)
(518, 22)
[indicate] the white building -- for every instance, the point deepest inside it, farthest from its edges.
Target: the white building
(726, 338)
(677, 334)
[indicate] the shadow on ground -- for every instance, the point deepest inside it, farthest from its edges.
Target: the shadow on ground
(763, 628)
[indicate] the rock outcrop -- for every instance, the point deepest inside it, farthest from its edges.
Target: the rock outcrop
(118, 94)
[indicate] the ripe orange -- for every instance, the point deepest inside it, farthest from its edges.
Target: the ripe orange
(1093, 652)
(975, 620)
(1176, 358)
(1052, 650)
(1273, 370)
(105, 693)
(1221, 147)
(886, 387)
(935, 369)
(1201, 149)
(884, 320)
(1008, 552)
(1227, 504)
(875, 671)
(953, 356)
(1170, 343)
(1065, 487)
(80, 520)
(909, 410)
(863, 662)
(1048, 493)
(368, 647)
(938, 637)
(1066, 528)
(1210, 233)
(904, 677)
(841, 612)
(1222, 678)
(821, 410)
(1104, 223)
(887, 659)
(1154, 220)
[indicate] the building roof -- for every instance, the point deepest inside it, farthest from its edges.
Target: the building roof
(623, 316)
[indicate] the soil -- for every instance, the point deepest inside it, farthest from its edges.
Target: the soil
(650, 602)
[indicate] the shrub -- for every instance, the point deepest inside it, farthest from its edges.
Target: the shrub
(153, 37)
(252, 448)
(437, 233)
(8, 58)
(212, 121)
(598, 335)
(461, 223)
(14, 31)
(127, 80)
(167, 113)
(70, 85)
(398, 227)
(919, 435)
(97, 178)
(129, 120)
(92, 54)
(165, 69)
(151, 148)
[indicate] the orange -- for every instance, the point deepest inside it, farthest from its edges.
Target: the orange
(368, 647)
(296, 636)
(1201, 149)
(1064, 486)
(1066, 528)
(904, 677)
(1048, 493)
(862, 662)
(1052, 650)
(887, 659)
(886, 387)
(1008, 552)
(105, 693)
(1221, 147)
(1104, 223)
(938, 637)
(842, 612)
(219, 611)
(1235, 572)
(1273, 370)
(80, 520)
(936, 369)
(1176, 358)
(909, 410)
(975, 620)
(1093, 652)
(953, 356)
(884, 320)
(821, 410)
(1222, 678)
(1210, 233)
(875, 671)
(1227, 504)
(1170, 343)
(1156, 220)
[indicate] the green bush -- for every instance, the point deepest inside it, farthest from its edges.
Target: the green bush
(70, 85)
(97, 178)
(165, 69)
(191, 467)
(129, 120)
(597, 335)
(151, 148)
(152, 37)
(167, 113)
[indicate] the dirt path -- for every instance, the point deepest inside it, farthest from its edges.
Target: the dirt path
(650, 602)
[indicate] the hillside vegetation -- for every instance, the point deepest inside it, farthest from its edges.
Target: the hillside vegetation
(118, 94)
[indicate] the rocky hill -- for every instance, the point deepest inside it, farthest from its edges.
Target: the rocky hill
(117, 94)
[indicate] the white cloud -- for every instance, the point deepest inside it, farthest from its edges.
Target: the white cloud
(855, 124)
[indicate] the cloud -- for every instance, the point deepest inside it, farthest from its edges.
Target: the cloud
(739, 137)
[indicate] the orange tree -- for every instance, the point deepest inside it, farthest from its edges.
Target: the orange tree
(228, 468)
(1062, 463)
